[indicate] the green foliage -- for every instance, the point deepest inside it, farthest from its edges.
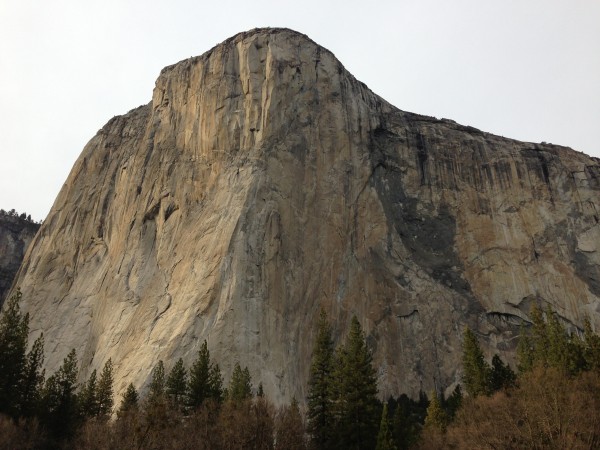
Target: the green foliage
(205, 380)
(540, 343)
(408, 418)
(454, 402)
(320, 389)
(32, 382)
(525, 354)
(95, 399)
(59, 399)
(156, 392)
(476, 371)
(177, 384)
(215, 383)
(384, 437)
(130, 401)
(104, 396)
(87, 397)
(548, 344)
(591, 346)
(436, 415)
(14, 329)
(356, 408)
(240, 386)
(501, 375)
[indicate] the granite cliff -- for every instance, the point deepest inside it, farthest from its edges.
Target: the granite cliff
(15, 235)
(263, 182)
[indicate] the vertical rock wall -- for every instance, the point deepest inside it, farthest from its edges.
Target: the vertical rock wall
(264, 182)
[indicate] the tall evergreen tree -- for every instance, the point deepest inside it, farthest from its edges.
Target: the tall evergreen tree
(501, 375)
(558, 342)
(454, 402)
(240, 386)
(205, 380)
(547, 344)
(130, 401)
(177, 384)
(215, 383)
(436, 416)
(408, 420)
(156, 408)
(320, 389)
(104, 396)
(32, 382)
(591, 346)
(525, 353)
(87, 398)
(384, 437)
(156, 392)
(356, 410)
(59, 400)
(540, 341)
(476, 370)
(14, 330)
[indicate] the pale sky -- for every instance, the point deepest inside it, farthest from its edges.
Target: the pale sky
(525, 69)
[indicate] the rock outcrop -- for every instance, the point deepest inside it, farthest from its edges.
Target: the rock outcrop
(263, 182)
(15, 235)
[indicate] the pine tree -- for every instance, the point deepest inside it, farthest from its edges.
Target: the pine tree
(320, 389)
(548, 344)
(356, 408)
(32, 381)
(156, 392)
(14, 330)
(454, 402)
(476, 370)
(104, 397)
(205, 380)
(525, 353)
(540, 341)
(240, 386)
(177, 384)
(87, 398)
(130, 401)
(215, 383)
(501, 375)
(156, 408)
(408, 420)
(591, 346)
(59, 399)
(436, 416)
(384, 437)
(558, 342)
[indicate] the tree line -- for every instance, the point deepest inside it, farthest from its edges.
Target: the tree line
(22, 216)
(551, 401)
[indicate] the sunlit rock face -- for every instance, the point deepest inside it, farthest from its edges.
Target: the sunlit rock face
(264, 182)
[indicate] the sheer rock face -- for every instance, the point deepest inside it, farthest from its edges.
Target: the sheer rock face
(15, 236)
(264, 182)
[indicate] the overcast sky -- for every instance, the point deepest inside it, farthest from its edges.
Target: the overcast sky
(525, 69)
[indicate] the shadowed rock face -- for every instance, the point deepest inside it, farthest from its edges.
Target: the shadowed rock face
(264, 182)
(15, 236)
